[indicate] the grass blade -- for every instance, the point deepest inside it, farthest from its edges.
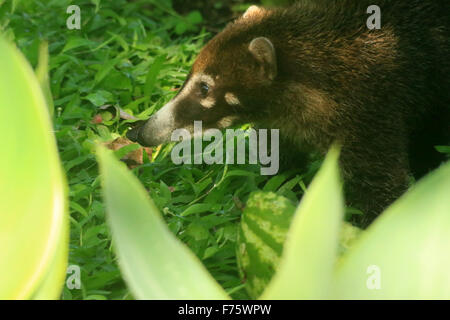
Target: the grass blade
(42, 75)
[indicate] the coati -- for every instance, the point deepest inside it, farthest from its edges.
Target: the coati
(316, 72)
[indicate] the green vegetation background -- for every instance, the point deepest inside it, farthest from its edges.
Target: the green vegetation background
(131, 55)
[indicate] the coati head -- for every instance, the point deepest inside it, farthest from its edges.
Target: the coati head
(214, 92)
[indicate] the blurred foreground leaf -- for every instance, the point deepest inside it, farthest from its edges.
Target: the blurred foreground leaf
(33, 220)
(309, 254)
(405, 254)
(154, 263)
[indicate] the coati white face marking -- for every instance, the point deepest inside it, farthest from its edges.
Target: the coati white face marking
(226, 122)
(231, 99)
(208, 102)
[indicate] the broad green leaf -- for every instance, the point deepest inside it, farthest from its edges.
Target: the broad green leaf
(100, 97)
(309, 254)
(154, 263)
(405, 254)
(33, 217)
(181, 27)
(264, 225)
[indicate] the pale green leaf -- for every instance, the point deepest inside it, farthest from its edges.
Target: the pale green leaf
(309, 254)
(32, 187)
(154, 263)
(405, 254)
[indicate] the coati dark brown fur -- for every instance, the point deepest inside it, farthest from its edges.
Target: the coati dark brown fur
(316, 72)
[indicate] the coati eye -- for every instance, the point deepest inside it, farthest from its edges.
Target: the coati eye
(204, 89)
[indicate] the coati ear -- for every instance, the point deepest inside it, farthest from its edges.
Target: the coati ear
(263, 51)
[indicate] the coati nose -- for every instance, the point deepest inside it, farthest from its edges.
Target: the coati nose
(156, 130)
(134, 133)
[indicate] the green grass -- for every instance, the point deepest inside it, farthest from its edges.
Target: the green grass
(131, 55)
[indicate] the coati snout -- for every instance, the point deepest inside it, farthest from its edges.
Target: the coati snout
(317, 73)
(217, 98)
